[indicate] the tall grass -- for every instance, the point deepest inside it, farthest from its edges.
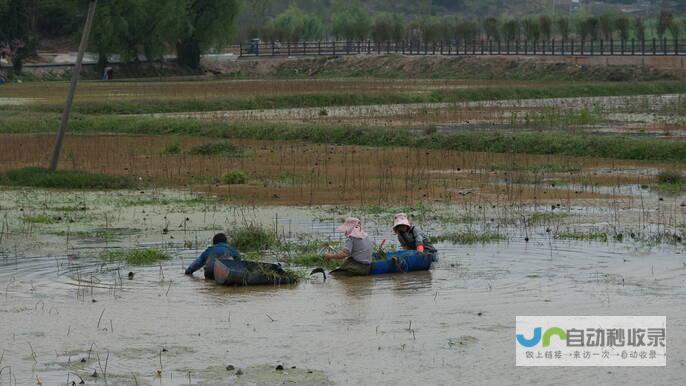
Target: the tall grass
(43, 178)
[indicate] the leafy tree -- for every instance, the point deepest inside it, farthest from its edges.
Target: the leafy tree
(674, 29)
(466, 29)
(663, 22)
(15, 32)
(623, 24)
(640, 28)
(491, 28)
(607, 26)
(563, 27)
(204, 24)
(546, 24)
(510, 29)
(587, 28)
(532, 28)
(290, 24)
(313, 28)
(388, 27)
(351, 22)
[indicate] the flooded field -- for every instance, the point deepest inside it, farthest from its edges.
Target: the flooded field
(69, 315)
(92, 284)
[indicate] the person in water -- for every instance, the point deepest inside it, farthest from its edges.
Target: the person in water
(220, 249)
(411, 237)
(357, 251)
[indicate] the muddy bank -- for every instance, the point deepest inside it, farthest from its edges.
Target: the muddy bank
(463, 67)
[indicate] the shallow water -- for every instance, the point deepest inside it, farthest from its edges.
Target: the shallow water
(454, 324)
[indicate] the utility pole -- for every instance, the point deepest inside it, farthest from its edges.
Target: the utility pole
(72, 87)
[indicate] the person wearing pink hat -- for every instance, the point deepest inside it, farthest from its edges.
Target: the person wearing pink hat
(357, 251)
(410, 236)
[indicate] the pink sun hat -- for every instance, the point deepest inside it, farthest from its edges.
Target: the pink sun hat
(400, 219)
(352, 227)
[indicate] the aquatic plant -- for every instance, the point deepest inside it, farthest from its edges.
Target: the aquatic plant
(135, 256)
(472, 237)
(252, 237)
(235, 177)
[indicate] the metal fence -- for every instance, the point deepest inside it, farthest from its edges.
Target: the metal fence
(653, 47)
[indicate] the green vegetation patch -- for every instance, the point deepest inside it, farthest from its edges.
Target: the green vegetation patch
(235, 177)
(472, 237)
(39, 219)
(223, 149)
(253, 237)
(539, 168)
(43, 178)
(671, 181)
(313, 260)
(583, 236)
(135, 256)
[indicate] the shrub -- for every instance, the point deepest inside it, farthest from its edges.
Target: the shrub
(235, 177)
(43, 178)
(252, 237)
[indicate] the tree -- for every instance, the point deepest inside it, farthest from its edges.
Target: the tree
(204, 24)
(546, 24)
(663, 22)
(466, 30)
(290, 24)
(607, 26)
(623, 24)
(491, 28)
(674, 29)
(532, 28)
(351, 22)
(563, 27)
(388, 27)
(640, 28)
(510, 29)
(14, 32)
(313, 28)
(587, 28)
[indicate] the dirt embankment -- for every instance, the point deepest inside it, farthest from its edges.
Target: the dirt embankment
(463, 67)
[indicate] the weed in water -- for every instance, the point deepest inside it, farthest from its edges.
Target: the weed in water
(39, 219)
(471, 237)
(252, 237)
(671, 181)
(583, 236)
(313, 260)
(135, 256)
(235, 177)
(224, 149)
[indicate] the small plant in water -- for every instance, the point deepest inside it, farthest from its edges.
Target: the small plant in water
(253, 237)
(235, 177)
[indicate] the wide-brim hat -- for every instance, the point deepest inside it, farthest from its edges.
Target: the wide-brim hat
(400, 219)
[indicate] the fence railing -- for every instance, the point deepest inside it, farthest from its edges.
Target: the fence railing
(561, 47)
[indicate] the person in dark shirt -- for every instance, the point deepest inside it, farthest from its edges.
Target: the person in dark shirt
(411, 236)
(220, 249)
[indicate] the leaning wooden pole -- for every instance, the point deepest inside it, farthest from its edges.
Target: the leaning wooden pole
(72, 87)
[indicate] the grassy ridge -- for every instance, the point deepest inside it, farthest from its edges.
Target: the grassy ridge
(63, 179)
(538, 142)
(149, 106)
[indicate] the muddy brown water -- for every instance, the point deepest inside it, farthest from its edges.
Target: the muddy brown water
(452, 325)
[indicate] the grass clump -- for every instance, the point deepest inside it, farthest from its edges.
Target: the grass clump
(43, 178)
(224, 149)
(471, 237)
(671, 181)
(235, 177)
(136, 256)
(252, 237)
(583, 236)
(39, 219)
(174, 148)
(542, 168)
